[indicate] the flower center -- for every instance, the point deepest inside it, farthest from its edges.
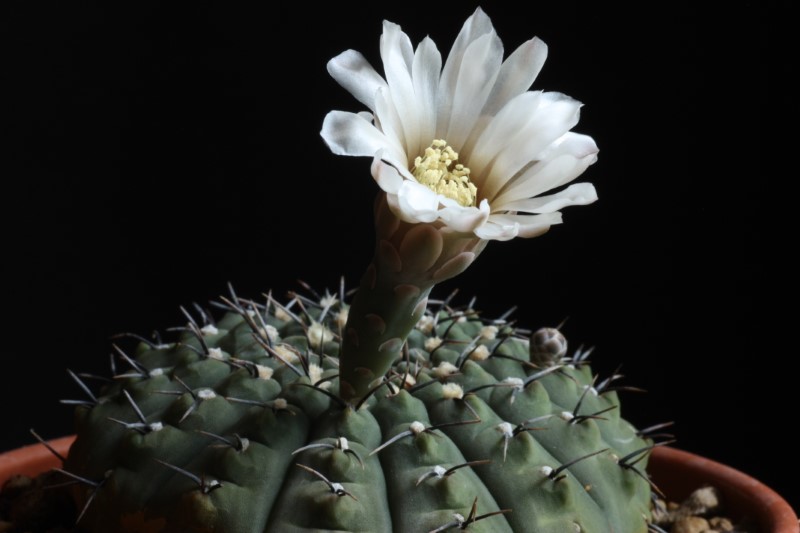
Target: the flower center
(439, 170)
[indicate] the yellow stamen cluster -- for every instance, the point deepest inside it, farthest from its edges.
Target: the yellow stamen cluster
(439, 170)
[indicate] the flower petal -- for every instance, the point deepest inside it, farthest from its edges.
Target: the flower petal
(399, 165)
(388, 120)
(554, 116)
(454, 266)
(425, 74)
(523, 225)
(465, 219)
(386, 175)
(420, 248)
(535, 225)
(576, 194)
(394, 205)
(353, 72)
(517, 74)
(494, 231)
(347, 133)
(512, 118)
(476, 25)
(417, 202)
(516, 143)
(398, 56)
(565, 160)
(482, 60)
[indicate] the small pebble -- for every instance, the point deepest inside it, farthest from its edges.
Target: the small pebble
(721, 524)
(690, 524)
(702, 501)
(16, 484)
(661, 515)
(686, 517)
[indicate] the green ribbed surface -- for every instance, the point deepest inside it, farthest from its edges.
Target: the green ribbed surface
(215, 380)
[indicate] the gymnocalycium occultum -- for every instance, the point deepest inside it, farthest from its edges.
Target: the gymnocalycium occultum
(396, 411)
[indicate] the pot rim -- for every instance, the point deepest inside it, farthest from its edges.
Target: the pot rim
(679, 470)
(33, 459)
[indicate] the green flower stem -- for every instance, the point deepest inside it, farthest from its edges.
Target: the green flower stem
(409, 260)
(385, 309)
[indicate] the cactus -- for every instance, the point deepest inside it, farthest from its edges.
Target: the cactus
(238, 426)
(393, 411)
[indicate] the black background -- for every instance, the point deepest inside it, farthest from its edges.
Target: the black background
(158, 153)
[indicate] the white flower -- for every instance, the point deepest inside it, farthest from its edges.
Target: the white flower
(465, 146)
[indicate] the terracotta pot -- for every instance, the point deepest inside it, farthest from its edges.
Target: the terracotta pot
(676, 472)
(32, 459)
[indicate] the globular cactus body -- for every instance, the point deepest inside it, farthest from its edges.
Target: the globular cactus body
(238, 427)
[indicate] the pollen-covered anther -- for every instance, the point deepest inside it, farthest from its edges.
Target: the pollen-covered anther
(445, 369)
(432, 343)
(439, 170)
(452, 391)
(480, 353)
